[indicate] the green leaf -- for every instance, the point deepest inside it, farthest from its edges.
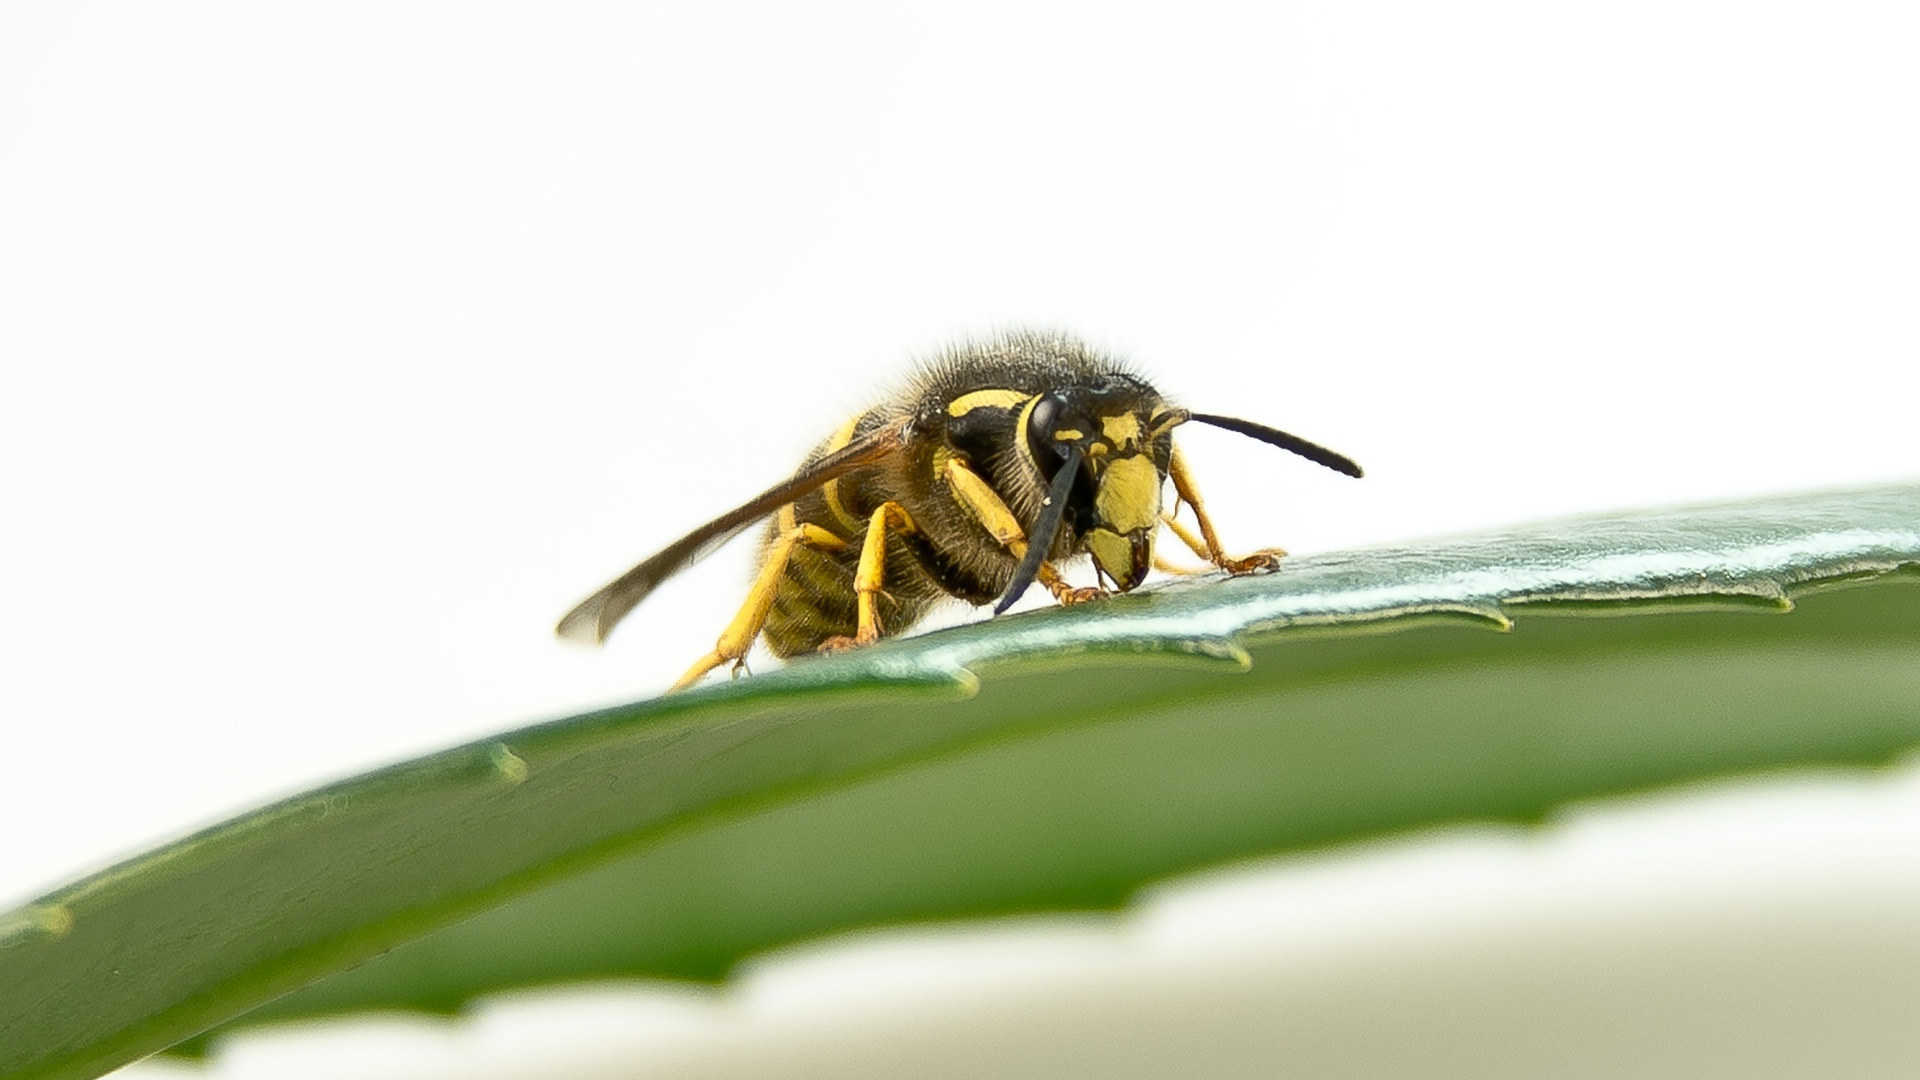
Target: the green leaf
(1056, 759)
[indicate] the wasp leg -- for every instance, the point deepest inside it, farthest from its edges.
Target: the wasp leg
(872, 572)
(992, 513)
(1264, 559)
(1167, 566)
(738, 637)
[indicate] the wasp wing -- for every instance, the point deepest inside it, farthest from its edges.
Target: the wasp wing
(595, 617)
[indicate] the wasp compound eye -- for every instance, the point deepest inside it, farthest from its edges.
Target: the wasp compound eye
(1042, 428)
(1040, 422)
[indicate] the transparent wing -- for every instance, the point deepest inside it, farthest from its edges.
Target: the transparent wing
(595, 617)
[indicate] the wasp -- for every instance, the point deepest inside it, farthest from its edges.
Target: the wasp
(999, 460)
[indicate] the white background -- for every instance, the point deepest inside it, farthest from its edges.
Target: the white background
(346, 345)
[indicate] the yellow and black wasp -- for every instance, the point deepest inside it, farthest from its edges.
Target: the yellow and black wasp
(1000, 459)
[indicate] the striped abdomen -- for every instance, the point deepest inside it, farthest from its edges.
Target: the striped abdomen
(814, 599)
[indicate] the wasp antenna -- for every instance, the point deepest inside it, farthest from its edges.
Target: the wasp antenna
(1044, 530)
(1166, 420)
(1313, 452)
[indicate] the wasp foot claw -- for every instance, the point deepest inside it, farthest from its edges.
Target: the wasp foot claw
(1262, 560)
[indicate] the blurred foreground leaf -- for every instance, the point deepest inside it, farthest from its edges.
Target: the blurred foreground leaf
(1056, 759)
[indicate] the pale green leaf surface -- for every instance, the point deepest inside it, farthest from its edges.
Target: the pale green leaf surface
(1056, 759)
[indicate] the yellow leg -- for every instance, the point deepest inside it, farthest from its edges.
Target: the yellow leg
(991, 511)
(1168, 566)
(1063, 593)
(1194, 544)
(1264, 559)
(738, 637)
(872, 574)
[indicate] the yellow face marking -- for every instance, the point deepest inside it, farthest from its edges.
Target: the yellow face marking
(994, 399)
(1114, 554)
(1069, 434)
(1129, 496)
(1122, 430)
(1165, 421)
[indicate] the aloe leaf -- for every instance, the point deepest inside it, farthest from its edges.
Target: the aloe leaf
(1058, 759)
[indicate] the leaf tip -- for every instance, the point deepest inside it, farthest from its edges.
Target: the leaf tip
(965, 684)
(49, 920)
(507, 765)
(1494, 617)
(1225, 649)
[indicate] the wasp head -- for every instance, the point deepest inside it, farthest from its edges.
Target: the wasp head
(1116, 437)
